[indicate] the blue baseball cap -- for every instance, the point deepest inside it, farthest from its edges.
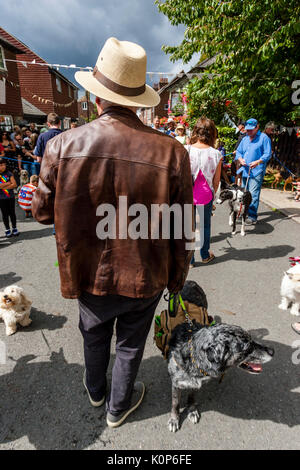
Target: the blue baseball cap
(251, 124)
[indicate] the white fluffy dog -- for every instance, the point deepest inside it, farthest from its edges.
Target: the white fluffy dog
(290, 290)
(14, 308)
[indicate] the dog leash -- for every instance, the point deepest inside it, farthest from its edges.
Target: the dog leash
(247, 178)
(241, 206)
(276, 158)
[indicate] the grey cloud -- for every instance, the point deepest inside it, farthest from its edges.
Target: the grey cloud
(73, 31)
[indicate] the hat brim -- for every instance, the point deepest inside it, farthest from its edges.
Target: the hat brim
(249, 128)
(146, 100)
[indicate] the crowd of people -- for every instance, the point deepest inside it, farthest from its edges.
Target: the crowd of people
(252, 152)
(20, 150)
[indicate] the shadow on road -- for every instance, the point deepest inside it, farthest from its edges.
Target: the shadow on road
(45, 321)
(46, 402)
(251, 254)
(9, 279)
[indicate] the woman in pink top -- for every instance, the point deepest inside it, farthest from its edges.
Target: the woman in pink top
(206, 164)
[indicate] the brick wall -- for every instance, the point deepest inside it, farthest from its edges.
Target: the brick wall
(84, 113)
(160, 110)
(13, 106)
(41, 81)
(63, 97)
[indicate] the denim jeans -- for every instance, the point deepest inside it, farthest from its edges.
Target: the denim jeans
(33, 168)
(254, 186)
(204, 213)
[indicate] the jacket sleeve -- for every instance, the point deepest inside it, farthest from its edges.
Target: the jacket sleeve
(181, 246)
(42, 205)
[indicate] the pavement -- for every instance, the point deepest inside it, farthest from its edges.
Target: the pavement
(284, 201)
(43, 404)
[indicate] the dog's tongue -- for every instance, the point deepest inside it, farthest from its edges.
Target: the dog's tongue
(256, 367)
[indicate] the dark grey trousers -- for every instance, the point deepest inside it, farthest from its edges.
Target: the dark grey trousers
(133, 321)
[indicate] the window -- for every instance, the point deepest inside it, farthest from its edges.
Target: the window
(76, 94)
(6, 123)
(2, 59)
(70, 92)
(58, 84)
(67, 123)
(84, 106)
(166, 107)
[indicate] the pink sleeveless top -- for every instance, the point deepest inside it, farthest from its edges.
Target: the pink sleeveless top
(201, 191)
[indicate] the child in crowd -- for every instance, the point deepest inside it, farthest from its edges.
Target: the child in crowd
(7, 199)
(26, 194)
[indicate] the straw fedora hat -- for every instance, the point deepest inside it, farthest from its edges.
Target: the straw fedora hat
(120, 75)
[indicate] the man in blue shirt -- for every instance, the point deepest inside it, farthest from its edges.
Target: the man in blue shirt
(253, 154)
(53, 122)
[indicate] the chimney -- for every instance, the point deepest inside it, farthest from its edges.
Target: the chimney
(162, 82)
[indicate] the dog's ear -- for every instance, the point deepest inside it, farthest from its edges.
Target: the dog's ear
(25, 301)
(289, 275)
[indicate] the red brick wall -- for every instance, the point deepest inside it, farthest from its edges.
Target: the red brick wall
(63, 98)
(13, 104)
(84, 113)
(38, 80)
(159, 109)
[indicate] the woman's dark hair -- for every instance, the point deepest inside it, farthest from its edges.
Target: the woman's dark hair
(2, 160)
(204, 131)
(7, 134)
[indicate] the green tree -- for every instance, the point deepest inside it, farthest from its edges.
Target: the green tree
(257, 49)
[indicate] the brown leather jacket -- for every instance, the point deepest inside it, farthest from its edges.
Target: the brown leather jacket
(115, 155)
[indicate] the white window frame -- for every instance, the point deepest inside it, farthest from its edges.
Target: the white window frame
(4, 69)
(58, 84)
(84, 106)
(67, 123)
(6, 123)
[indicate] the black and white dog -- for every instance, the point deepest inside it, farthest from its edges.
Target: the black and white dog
(198, 353)
(239, 202)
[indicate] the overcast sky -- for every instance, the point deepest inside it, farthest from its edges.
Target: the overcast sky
(74, 31)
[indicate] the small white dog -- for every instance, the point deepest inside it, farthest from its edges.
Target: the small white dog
(290, 290)
(14, 308)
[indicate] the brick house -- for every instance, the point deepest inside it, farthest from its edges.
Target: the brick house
(44, 87)
(170, 92)
(85, 108)
(10, 96)
(148, 114)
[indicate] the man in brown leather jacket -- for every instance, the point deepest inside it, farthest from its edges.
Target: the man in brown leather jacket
(90, 171)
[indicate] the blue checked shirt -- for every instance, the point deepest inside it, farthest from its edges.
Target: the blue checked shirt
(257, 149)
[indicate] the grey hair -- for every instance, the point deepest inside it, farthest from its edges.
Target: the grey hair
(107, 103)
(270, 124)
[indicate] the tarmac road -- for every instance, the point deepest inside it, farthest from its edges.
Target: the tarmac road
(42, 401)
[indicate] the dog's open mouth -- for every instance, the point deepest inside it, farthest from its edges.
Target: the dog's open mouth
(251, 367)
(7, 301)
